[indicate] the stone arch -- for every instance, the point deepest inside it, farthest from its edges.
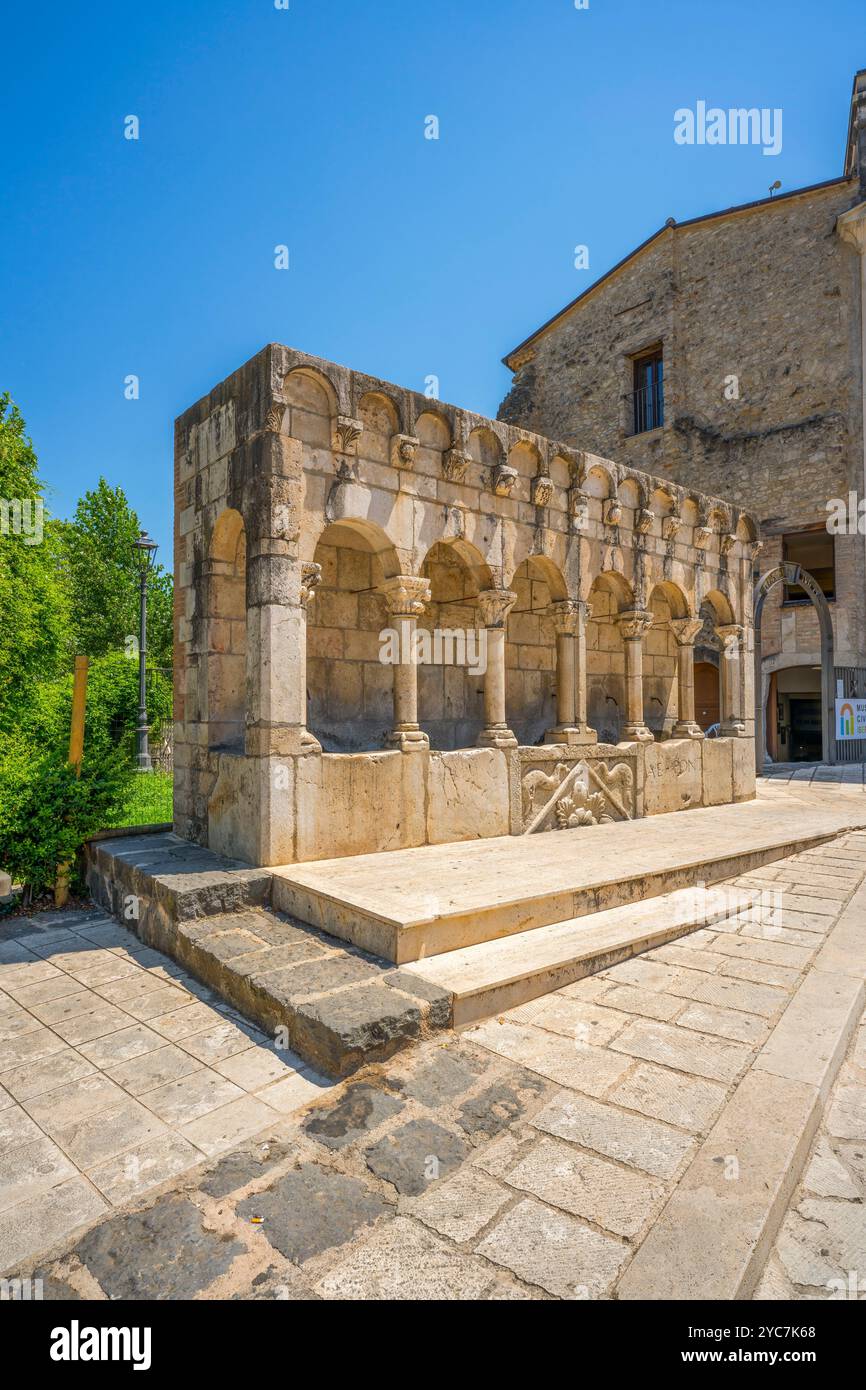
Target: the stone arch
(485, 447)
(667, 602)
(227, 633)
(450, 678)
(609, 595)
(433, 430)
(790, 573)
(719, 605)
(530, 648)
(349, 690)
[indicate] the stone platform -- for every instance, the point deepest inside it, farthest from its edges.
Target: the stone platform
(409, 904)
(489, 924)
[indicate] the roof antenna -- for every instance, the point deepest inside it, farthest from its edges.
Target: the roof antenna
(774, 186)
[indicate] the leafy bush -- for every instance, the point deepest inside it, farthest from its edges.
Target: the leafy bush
(46, 812)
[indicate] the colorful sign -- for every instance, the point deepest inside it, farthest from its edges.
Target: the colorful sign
(850, 718)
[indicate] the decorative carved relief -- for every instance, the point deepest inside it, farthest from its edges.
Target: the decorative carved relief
(542, 490)
(671, 526)
(613, 511)
(643, 520)
(403, 450)
(405, 595)
(274, 420)
(311, 577)
(571, 795)
(494, 605)
(727, 543)
(345, 434)
(454, 464)
(501, 479)
(578, 506)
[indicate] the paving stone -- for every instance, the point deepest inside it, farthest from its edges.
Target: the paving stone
(14, 1024)
(220, 1129)
(632, 999)
(689, 956)
(153, 1069)
(461, 1206)
(590, 1069)
(294, 1091)
(763, 1000)
(498, 1106)
(415, 1155)
(360, 1109)
(185, 1021)
(443, 1076)
(279, 1282)
(95, 1138)
(29, 1167)
(122, 1046)
(759, 973)
(854, 1156)
(245, 1164)
(46, 1220)
(143, 1167)
(317, 977)
(646, 974)
(554, 1251)
(618, 1199)
(74, 1101)
(156, 1003)
(403, 1261)
(34, 1078)
(759, 949)
(827, 1176)
(93, 1024)
(724, 1023)
(313, 1209)
(846, 1117)
(630, 1139)
(54, 988)
(258, 1066)
(30, 1047)
(54, 1011)
(588, 1023)
(181, 1102)
(161, 1253)
(215, 1044)
(677, 1047)
(667, 1095)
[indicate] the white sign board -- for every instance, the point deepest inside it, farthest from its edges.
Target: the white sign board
(850, 719)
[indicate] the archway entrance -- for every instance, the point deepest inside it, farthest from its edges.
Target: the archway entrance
(791, 574)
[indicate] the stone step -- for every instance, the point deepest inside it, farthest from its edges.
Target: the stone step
(405, 905)
(496, 975)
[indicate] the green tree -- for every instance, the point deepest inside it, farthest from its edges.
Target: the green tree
(104, 582)
(34, 615)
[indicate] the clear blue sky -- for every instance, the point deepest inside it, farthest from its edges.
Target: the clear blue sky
(306, 127)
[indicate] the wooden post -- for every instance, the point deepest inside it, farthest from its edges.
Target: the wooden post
(76, 752)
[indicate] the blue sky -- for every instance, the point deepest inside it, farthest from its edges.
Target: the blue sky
(305, 127)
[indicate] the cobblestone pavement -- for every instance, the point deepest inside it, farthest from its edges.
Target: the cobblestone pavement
(118, 1071)
(527, 1158)
(820, 1251)
(818, 775)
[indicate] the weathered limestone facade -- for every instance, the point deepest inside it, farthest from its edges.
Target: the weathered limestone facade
(318, 508)
(759, 314)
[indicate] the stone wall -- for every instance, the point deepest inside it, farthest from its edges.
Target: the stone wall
(769, 295)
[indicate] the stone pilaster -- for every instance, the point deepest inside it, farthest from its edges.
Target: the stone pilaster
(494, 605)
(405, 597)
(685, 631)
(570, 617)
(633, 623)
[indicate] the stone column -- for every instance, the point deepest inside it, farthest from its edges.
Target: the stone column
(570, 618)
(730, 678)
(405, 596)
(685, 630)
(851, 227)
(311, 577)
(494, 605)
(633, 623)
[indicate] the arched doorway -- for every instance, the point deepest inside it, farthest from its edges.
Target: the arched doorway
(789, 573)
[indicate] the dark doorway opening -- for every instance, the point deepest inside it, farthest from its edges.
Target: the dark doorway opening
(805, 730)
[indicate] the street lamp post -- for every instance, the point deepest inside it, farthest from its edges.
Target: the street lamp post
(145, 549)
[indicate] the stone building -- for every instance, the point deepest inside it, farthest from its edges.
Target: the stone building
(398, 623)
(726, 353)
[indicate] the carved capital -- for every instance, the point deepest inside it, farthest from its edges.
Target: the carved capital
(755, 548)
(403, 450)
(731, 636)
(311, 578)
(634, 622)
(274, 418)
(613, 511)
(702, 536)
(345, 433)
(455, 461)
(568, 614)
(405, 595)
(542, 490)
(671, 526)
(578, 507)
(685, 630)
(502, 478)
(643, 520)
(494, 605)
(727, 541)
